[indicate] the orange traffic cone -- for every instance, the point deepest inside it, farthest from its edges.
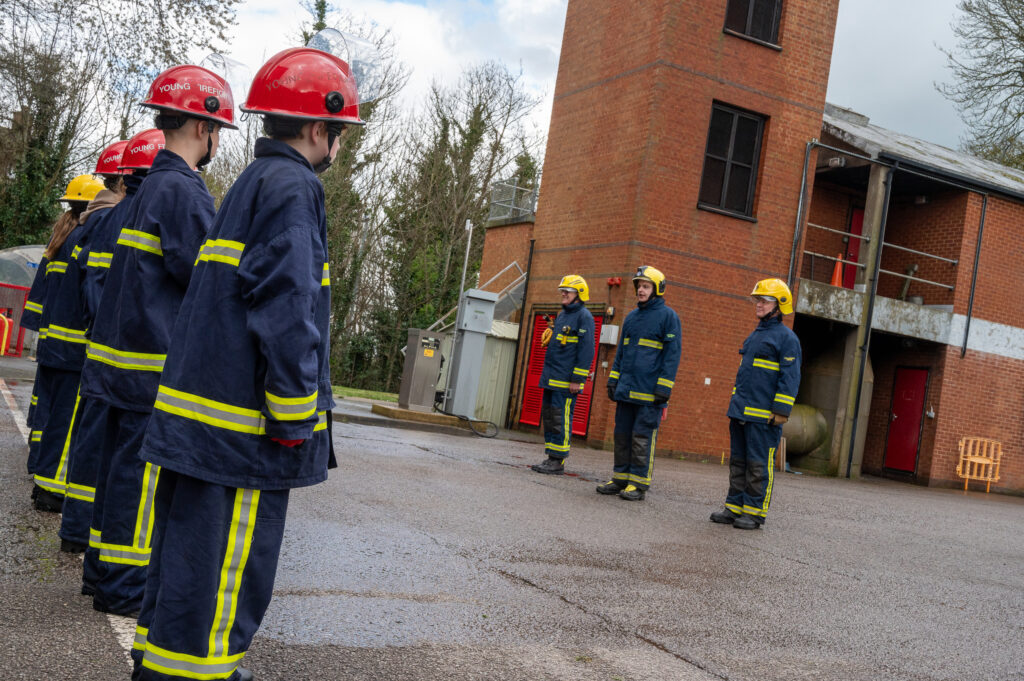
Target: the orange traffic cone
(837, 272)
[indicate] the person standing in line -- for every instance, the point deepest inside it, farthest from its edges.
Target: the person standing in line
(89, 468)
(58, 355)
(149, 272)
(640, 383)
(766, 387)
(570, 352)
(242, 413)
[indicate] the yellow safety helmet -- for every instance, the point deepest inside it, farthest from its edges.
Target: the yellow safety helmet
(777, 289)
(651, 274)
(82, 188)
(577, 283)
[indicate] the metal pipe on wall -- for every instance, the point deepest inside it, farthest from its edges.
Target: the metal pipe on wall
(513, 388)
(800, 211)
(974, 275)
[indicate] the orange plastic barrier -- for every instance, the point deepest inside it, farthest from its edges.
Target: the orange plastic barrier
(979, 460)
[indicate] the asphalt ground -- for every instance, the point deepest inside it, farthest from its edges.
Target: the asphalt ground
(437, 555)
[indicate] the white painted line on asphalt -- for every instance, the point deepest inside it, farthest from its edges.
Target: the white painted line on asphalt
(124, 632)
(19, 418)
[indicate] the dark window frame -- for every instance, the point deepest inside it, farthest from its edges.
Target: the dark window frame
(747, 32)
(730, 161)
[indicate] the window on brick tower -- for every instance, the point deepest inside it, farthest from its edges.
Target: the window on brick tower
(730, 160)
(755, 18)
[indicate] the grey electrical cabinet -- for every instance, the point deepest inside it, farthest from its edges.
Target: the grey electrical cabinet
(421, 370)
(476, 314)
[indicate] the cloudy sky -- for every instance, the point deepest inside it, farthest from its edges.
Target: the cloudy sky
(885, 61)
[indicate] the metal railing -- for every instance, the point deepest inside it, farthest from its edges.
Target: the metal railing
(511, 201)
(885, 244)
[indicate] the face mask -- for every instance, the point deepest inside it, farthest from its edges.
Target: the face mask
(333, 131)
(202, 163)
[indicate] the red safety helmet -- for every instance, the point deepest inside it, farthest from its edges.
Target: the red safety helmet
(194, 91)
(142, 149)
(305, 83)
(109, 162)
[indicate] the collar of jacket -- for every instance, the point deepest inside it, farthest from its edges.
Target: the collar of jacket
(573, 306)
(167, 160)
(132, 183)
(271, 147)
(770, 321)
(104, 199)
(652, 303)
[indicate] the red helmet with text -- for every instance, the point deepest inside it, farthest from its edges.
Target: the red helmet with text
(142, 149)
(109, 162)
(193, 91)
(305, 83)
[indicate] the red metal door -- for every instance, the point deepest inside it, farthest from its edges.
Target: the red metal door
(533, 394)
(853, 247)
(907, 410)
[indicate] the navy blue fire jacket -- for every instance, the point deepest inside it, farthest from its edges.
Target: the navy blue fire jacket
(98, 250)
(769, 375)
(648, 354)
(571, 350)
(249, 359)
(153, 261)
(62, 346)
(33, 314)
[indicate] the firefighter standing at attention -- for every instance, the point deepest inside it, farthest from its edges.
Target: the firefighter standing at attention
(243, 407)
(150, 269)
(570, 352)
(640, 383)
(766, 386)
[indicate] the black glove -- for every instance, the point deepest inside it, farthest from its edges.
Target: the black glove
(660, 399)
(611, 391)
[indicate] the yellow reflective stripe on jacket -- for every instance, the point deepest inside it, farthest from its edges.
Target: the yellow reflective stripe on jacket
(66, 334)
(144, 241)
(325, 279)
(558, 384)
(651, 343)
(291, 408)
(97, 259)
(666, 383)
(641, 396)
(759, 413)
(581, 372)
(58, 266)
(75, 252)
(785, 399)
(625, 341)
(34, 307)
(766, 364)
(221, 250)
(210, 412)
(562, 338)
(122, 359)
(614, 374)
(43, 332)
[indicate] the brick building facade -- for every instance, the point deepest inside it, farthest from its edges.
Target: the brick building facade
(678, 139)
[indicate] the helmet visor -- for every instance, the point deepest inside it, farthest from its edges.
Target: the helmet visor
(237, 74)
(362, 57)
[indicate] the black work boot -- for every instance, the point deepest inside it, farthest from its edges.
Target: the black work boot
(746, 522)
(49, 502)
(610, 487)
(71, 546)
(632, 493)
(725, 516)
(550, 466)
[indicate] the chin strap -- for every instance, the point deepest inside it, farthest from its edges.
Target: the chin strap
(201, 163)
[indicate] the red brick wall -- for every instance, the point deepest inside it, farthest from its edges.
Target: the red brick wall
(622, 172)
(504, 244)
(1000, 273)
(830, 207)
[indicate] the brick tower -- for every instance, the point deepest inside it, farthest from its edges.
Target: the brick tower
(677, 140)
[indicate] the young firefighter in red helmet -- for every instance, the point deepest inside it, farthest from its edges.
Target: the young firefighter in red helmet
(766, 386)
(89, 468)
(150, 269)
(243, 406)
